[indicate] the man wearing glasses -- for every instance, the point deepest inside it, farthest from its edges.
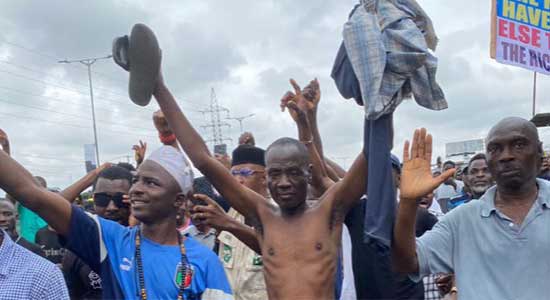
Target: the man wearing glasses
(111, 186)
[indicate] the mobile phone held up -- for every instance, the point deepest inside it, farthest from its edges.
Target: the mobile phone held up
(220, 149)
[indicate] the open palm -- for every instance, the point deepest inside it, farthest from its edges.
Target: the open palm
(416, 177)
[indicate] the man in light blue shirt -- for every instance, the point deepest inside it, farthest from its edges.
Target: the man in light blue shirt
(497, 246)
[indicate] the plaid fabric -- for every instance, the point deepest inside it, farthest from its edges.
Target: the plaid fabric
(430, 288)
(387, 44)
(25, 275)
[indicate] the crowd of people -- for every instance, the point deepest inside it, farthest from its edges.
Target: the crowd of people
(283, 222)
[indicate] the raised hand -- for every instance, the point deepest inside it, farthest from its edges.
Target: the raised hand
(161, 124)
(102, 167)
(416, 176)
(297, 114)
(297, 97)
(312, 95)
(247, 138)
(139, 152)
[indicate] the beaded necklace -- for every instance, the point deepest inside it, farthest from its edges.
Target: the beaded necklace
(185, 268)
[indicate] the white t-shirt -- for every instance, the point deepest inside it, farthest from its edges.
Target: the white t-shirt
(348, 284)
(448, 191)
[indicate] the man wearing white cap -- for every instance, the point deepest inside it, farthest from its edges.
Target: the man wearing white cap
(150, 261)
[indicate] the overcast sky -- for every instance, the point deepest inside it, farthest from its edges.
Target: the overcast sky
(247, 50)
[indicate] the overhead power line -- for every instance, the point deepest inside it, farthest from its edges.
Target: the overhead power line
(55, 59)
(77, 126)
(59, 77)
(65, 101)
(104, 99)
(72, 115)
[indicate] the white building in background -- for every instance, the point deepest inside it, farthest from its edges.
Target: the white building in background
(461, 152)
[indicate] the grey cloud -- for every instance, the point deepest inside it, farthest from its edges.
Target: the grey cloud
(247, 50)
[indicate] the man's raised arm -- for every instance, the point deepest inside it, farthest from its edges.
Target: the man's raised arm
(346, 192)
(71, 192)
(213, 215)
(241, 198)
(312, 98)
(295, 103)
(416, 182)
(19, 183)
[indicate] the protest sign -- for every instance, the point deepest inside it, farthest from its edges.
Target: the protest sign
(520, 33)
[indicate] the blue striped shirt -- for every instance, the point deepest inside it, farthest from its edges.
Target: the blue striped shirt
(25, 275)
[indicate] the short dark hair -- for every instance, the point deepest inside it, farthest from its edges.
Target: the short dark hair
(114, 173)
(127, 166)
(5, 200)
(477, 157)
(285, 142)
(450, 162)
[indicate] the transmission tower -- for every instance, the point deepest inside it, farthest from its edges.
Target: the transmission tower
(216, 123)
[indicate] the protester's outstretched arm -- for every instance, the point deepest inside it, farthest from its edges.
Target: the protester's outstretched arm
(166, 134)
(242, 199)
(213, 215)
(71, 192)
(312, 95)
(321, 181)
(416, 182)
(19, 183)
(352, 187)
(5, 142)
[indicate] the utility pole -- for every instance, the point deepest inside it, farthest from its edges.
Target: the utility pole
(88, 62)
(215, 120)
(241, 119)
(534, 93)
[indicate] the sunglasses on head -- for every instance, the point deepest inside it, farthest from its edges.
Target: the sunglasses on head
(244, 172)
(103, 199)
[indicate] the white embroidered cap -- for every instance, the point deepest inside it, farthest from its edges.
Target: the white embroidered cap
(175, 163)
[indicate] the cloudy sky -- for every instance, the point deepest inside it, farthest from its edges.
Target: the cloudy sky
(246, 50)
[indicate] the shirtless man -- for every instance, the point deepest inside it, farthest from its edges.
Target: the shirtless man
(299, 243)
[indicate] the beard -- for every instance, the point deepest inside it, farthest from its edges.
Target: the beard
(480, 189)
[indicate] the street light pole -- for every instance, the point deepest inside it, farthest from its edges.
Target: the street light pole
(88, 62)
(534, 93)
(241, 119)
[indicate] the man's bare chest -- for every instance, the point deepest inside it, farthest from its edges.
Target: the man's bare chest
(308, 239)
